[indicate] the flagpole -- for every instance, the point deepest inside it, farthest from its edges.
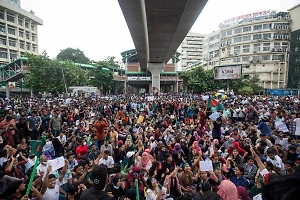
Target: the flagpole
(137, 189)
(32, 175)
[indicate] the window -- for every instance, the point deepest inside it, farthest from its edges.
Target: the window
(277, 57)
(237, 30)
(246, 38)
(257, 37)
(256, 58)
(27, 35)
(12, 42)
(21, 45)
(32, 27)
(26, 24)
(223, 33)
(33, 48)
(28, 47)
(228, 50)
(276, 44)
(2, 41)
(237, 39)
(236, 59)
(266, 57)
(246, 28)
(256, 48)
(257, 27)
(33, 37)
(267, 35)
(246, 48)
(11, 31)
(1, 14)
(2, 28)
(266, 46)
(10, 17)
(21, 33)
(20, 22)
(228, 42)
(237, 49)
(229, 32)
(13, 54)
(246, 59)
(267, 26)
(3, 53)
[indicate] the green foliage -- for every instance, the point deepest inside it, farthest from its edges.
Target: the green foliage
(199, 80)
(75, 55)
(46, 75)
(246, 90)
(101, 76)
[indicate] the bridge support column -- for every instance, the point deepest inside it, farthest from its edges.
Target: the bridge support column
(156, 69)
(7, 89)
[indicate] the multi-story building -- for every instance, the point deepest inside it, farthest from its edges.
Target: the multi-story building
(259, 41)
(294, 62)
(18, 31)
(191, 50)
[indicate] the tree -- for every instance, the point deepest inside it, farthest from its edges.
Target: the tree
(198, 80)
(101, 76)
(51, 76)
(75, 55)
(111, 62)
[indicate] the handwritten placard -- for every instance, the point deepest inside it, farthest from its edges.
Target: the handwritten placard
(281, 126)
(206, 165)
(56, 163)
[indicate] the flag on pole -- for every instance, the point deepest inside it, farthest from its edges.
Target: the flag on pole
(37, 149)
(137, 189)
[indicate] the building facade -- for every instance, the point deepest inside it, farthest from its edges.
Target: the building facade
(259, 41)
(191, 50)
(138, 81)
(18, 31)
(294, 61)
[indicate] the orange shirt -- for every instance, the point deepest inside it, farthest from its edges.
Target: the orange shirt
(100, 127)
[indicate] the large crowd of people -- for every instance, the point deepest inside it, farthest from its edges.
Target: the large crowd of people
(152, 147)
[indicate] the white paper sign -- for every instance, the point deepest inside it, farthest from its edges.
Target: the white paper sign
(206, 165)
(214, 116)
(205, 97)
(56, 163)
(281, 126)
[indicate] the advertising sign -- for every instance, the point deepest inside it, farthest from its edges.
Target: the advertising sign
(135, 78)
(228, 72)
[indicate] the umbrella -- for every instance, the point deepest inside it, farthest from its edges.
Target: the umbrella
(221, 96)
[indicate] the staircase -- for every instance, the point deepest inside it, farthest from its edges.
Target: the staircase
(14, 71)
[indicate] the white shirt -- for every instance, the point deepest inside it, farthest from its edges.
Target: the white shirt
(53, 193)
(62, 139)
(276, 162)
(297, 121)
(109, 162)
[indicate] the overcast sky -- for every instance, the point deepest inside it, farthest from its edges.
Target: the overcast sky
(98, 27)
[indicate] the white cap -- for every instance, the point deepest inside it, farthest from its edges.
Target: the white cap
(129, 154)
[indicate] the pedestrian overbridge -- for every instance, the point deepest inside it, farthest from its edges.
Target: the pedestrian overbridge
(157, 28)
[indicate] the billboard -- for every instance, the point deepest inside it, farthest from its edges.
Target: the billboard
(228, 72)
(141, 78)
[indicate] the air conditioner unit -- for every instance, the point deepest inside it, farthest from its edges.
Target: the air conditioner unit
(258, 61)
(282, 60)
(273, 50)
(255, 52)
(280, 50)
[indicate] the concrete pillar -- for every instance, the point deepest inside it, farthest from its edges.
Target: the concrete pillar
(7, 89)
(156, 69)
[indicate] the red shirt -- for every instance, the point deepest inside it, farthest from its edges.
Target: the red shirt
(82, 150)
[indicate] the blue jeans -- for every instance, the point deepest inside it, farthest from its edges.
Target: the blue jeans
(34, 134)
(100, 143)
(56, 132)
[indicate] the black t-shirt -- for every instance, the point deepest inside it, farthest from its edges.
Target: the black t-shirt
(217, 128)
(92, 193)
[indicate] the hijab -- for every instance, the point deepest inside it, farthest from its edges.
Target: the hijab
(255, 191)
(242, 192)
(227, 190)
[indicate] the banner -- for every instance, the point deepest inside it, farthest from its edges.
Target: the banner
(228, 72)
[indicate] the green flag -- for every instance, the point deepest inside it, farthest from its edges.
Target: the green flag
(37, 147)
(137, 189)
(209, 105)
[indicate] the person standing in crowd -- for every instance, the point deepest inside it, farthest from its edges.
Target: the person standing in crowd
(100, 125)
(34, 124)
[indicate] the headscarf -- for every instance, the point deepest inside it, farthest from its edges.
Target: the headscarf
(180, 151)
(254, 190)
(196, 136)
(228, 191)
(196, 146)
(242, 192)
(145, 158)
